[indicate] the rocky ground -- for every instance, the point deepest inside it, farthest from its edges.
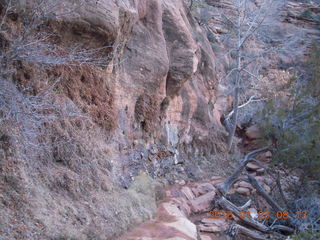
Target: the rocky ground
(189, 211)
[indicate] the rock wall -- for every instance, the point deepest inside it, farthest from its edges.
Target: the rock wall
(158, 91)
(75, 139)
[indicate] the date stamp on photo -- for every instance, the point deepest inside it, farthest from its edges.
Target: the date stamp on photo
(220, 214)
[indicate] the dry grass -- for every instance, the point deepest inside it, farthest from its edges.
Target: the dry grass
(55, 165)
(147, 112)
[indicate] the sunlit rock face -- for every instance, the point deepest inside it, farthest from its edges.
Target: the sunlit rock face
(159, 89)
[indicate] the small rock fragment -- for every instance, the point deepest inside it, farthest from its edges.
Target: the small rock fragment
(203, 203)
(253, 167)
(187, 193)
(212, 229)
(253, 132)
(244, 184)
(243, 191)
(181, 182)
(205, 237)
(204, 188)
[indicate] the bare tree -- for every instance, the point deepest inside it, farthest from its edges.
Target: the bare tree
(248, 17)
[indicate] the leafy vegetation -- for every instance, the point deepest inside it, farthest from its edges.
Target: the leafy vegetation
(306, 235)
(307, 14)
(294, 126)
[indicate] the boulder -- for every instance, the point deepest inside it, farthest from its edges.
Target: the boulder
(253, 132)
(203, 203)
(205, 188)
(168, 193)
(184, 226)
(243, 191)
(268, 180)
(172, 209)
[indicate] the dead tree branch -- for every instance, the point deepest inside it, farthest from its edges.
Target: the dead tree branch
(224, 188)
(282, 228)
(225, 204)
(238, 230)
(251, 100)
(275, 206)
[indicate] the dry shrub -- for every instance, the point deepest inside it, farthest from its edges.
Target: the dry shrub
(147, 112)
(91, 92)
(54, 161)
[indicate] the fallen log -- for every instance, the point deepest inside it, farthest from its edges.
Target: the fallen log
(282, 228)
(227, 205)
(236, 230)
(224, 187)
(275, 206)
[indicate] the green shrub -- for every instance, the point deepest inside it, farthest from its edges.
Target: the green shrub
(307, 235)
(295, 126)
(307, 14)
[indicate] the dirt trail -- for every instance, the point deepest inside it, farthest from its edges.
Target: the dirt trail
(189, 212)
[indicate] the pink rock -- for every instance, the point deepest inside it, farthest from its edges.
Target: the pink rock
(195, 192)
(204, 188)
(268, 181)
(181, 182)
(260, 172)
(221, 223)
(243, 191)
(168, 194)
(202, 203)
(171, 209)
(253, 167)
(268, 154)
(183, 205)
(253, 132)
(266, 187)
(211, 229)
(187, 193)
(216, 178)
(244, 184)
(205, 237)
(217, 181)
(265, 157)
